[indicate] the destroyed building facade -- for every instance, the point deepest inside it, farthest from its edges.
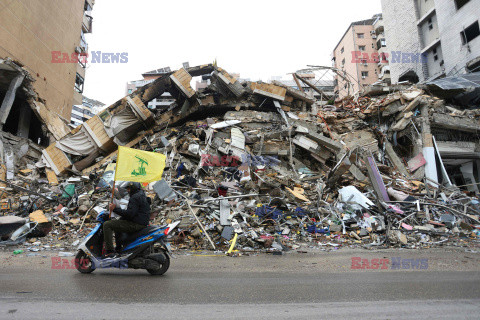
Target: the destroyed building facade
(31, 33)
(445, 32)
(37, 90)
(257, 166)
(161, 102)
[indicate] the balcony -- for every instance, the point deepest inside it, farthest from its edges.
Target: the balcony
(379, 29)
(83, 45)
(87, 23)
(381, 43)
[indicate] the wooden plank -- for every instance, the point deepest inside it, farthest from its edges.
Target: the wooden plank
(56, 159)
(3, 175)
(397, 162)
(52, 177)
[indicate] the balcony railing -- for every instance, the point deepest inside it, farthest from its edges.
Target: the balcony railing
(87, 23)
(83, 45)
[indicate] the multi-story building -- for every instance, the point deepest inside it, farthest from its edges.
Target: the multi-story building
(83, 112)
(378, 34)
(430, 39)
(356, 58)
(40, 36)
(159, 103)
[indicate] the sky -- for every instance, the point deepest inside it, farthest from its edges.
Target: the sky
(258, 39)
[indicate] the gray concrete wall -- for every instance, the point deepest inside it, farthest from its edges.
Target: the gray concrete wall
(451, 22)
(401, 33)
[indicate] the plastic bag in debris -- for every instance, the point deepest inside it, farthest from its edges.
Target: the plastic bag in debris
(354, 198)
(69, 191)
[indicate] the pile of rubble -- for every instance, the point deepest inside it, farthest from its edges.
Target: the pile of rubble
(257, 166)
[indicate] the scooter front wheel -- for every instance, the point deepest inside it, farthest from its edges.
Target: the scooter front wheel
(83, 262)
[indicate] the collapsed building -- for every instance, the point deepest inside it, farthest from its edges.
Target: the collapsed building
(268, 163)
(27, 125)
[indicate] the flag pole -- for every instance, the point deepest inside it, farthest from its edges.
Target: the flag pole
(113, 194)
(114, 180)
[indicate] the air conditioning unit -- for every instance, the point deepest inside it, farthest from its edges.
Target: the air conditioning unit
(374, 37)
(364, 77)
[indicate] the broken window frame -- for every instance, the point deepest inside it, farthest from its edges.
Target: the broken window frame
(87, 7)
(82, 60)
(460, 3)
(76, 116)
(78, 109)
(473, 32)
(79, 82)
(435, 54)
(104, 115)
(364, 74)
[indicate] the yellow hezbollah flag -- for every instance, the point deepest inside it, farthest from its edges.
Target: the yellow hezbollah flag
(139, 166)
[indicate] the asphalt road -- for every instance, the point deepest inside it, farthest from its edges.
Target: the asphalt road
(127, 293)
(313, 286)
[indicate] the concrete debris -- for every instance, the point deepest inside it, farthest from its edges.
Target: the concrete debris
(252, 166)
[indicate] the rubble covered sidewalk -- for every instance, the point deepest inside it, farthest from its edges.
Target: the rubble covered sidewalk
(254, 166)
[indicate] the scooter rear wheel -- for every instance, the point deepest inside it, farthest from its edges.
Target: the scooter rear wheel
(163, 268)
(83, 262)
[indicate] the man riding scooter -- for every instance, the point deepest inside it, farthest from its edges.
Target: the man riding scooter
(133, 219)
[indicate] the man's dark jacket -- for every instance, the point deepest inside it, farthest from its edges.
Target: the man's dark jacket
(138, 209)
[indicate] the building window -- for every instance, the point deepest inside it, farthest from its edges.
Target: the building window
(470, 33)
(460, 3)
(87, 6)
(430, 24)
(364, 74)
(74, 116)
(383, 42)
(342, 50)
(364, 62)
(82, 60)
(77, 109)
(83, 41)
(361, 48)
(79, 83)
(360, 35)
(435, 54)
(345, 86)
(343, 62)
